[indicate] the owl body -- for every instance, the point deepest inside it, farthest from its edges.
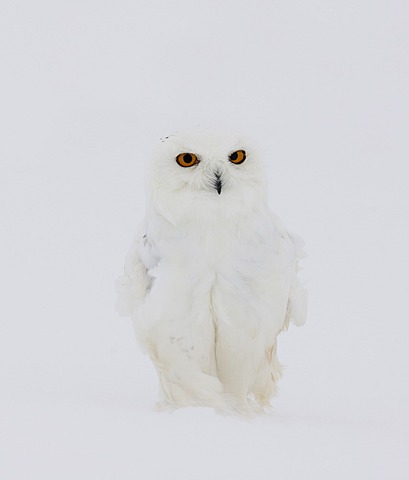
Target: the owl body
(211, 279)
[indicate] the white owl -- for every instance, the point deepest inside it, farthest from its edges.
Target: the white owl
(211, 278)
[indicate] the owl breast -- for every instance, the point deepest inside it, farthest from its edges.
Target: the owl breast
(231, 263)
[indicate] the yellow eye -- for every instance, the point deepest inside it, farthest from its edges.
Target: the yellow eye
(238, 157)
(187, 159)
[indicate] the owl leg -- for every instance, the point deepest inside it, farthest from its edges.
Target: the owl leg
(265, 385)
(248, 372)
(186, 386)
(236, 369)
(185, 379)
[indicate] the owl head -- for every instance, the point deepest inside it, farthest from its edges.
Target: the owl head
(205, 171)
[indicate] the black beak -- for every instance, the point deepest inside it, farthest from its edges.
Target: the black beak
(218, 184)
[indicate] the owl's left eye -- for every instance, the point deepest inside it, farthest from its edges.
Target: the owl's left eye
(238, 157)
(187, 159)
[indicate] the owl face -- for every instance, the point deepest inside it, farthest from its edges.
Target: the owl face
(205, 163)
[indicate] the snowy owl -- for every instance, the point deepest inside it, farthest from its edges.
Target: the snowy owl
(211, 278)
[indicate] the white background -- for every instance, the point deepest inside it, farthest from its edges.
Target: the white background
(87, 89)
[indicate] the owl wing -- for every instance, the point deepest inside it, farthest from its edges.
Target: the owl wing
(297, 300)
(132, 286)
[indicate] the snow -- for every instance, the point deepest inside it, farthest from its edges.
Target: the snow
(88, 88)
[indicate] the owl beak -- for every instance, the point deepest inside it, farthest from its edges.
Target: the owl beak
(218, 184)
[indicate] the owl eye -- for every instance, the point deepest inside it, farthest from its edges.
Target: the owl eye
(238, 157)
(187, 159)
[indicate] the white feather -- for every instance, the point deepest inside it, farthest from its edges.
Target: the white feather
(211, 279)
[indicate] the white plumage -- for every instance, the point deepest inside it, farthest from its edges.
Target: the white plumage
(211, 278)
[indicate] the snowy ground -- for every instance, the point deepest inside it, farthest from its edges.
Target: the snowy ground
(88, 88)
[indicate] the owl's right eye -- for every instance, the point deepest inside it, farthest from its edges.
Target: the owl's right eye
(187, 159)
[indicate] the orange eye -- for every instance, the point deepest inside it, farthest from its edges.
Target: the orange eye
(238, 157)
(187, 159)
